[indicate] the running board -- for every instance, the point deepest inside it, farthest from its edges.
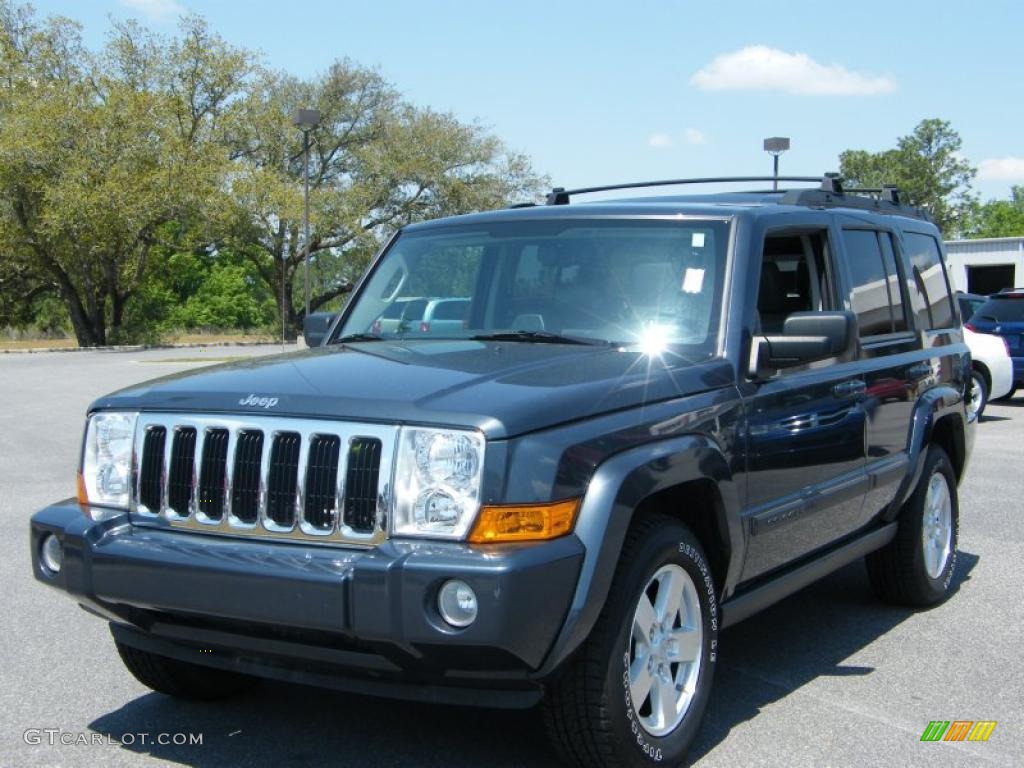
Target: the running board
(743, 606)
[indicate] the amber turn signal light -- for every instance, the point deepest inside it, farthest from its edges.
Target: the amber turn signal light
(83, 495)
(527, 522)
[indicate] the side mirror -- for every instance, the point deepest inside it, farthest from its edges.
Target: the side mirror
(806, 337)
(314, 327)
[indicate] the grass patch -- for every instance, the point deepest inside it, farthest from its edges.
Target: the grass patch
(38, 344)
(197, 339)
(220, 338)
(226, 359)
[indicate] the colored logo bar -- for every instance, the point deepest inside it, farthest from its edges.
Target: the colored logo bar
(958, 730)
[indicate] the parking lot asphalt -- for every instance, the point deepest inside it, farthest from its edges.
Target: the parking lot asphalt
(828, 677)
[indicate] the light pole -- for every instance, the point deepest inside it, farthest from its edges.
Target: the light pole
(306, 120)
(775, 146)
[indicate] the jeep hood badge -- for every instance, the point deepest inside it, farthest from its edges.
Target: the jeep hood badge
(256, 401)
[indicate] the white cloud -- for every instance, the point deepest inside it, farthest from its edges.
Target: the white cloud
(660, 141)
(1001, 169)
(155, 10)
(693, 136)
(760, 68)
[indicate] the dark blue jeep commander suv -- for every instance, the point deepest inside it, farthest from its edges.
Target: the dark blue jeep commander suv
(624, 426)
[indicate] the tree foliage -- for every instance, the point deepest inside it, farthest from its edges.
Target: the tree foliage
(376, 163)
(999, 218)
(926, 166)
(99, 151)
(122, 166)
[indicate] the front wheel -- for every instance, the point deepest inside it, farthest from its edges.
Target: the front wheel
(916, 568)
(635, 693)
(180, 678)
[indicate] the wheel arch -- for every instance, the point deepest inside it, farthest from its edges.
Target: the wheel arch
(689, 478)
(981, 368)
(939, 418)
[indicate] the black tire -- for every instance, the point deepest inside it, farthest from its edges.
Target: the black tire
(979, 384)
(899, 571)
(1008, 396)
(180, 678)
(589, 712)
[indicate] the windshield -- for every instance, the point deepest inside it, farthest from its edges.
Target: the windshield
(620, 282)
(1003, 309)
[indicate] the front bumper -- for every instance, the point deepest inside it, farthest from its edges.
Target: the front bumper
(362, 620)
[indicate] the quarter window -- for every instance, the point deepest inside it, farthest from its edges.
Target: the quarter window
(896, 292)
(929, 275)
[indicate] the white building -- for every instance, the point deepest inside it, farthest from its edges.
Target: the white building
(986, 265)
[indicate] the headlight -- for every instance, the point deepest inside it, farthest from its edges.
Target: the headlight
(437, 482)
(107, 458)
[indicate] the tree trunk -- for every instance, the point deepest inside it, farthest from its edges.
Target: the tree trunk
(90, 330)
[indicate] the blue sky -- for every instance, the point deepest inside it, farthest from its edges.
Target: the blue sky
(601, 91)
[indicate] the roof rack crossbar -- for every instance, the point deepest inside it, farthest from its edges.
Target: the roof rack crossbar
(888, 192)
(561, 196)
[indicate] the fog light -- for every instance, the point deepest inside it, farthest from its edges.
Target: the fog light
(457, 603)
(51, 553)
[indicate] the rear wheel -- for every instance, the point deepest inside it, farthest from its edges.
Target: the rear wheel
(180, 678)
(978, 396)
(635, 692)
(916, 568)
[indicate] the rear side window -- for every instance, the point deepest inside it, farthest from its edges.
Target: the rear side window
(929, 275)
(414, 310)
(876, 296)
(1003, 309)
(451, 310)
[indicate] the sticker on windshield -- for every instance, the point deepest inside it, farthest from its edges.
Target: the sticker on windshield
(693, 280)
(698, 240)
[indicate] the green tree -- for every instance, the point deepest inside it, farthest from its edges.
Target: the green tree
(376, 164)
(926, 166)
(99, 152)
(999, 218)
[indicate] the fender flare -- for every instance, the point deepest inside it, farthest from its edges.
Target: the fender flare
(615, 490)
(932, 406)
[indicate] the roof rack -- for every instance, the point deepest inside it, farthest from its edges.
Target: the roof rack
(561, 195)
(829, 193)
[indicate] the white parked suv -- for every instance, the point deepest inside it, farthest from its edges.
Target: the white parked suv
(991, 369)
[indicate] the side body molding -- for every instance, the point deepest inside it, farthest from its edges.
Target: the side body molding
(615, 490)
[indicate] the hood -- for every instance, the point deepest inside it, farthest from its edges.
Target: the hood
(501, 388)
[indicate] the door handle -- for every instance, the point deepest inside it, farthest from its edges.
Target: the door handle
(919, 371)
(850, 388)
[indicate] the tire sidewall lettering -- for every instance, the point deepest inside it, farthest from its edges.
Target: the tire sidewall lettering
(703, 579)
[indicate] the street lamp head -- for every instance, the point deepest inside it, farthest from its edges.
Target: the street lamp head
(776, 145)
(306, 119)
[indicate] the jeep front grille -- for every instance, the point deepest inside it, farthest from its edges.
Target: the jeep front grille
(266, 477)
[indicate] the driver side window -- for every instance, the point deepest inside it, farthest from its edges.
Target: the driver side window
(794, 278)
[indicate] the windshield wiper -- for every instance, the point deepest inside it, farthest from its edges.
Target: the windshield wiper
(356, 337)
(539, 337)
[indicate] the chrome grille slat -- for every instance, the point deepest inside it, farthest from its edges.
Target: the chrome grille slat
(229, 481)
(197, 458)
(265, 477)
